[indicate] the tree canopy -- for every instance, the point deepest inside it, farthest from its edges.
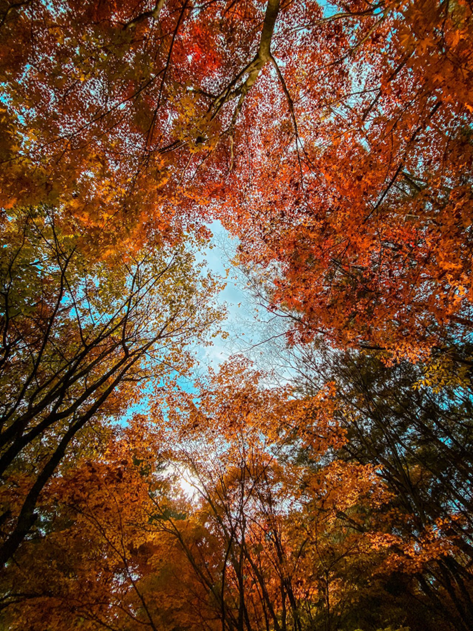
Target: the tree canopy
(334, 140)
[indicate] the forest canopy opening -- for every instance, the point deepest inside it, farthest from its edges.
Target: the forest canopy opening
(329, 483)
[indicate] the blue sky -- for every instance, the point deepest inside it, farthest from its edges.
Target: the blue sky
(251, 329)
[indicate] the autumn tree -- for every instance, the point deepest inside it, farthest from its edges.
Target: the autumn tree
(359, 209)
(333, 139)
(101, 562)
(79, 343)
(112, 111)
(299, 537)
(256, 544)
(417, 433)
(237, 508)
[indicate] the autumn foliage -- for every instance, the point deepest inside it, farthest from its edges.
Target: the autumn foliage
(335, 141)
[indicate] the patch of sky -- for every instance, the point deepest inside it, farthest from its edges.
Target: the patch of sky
(251, 329)
(5, 98)
(328, 8)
